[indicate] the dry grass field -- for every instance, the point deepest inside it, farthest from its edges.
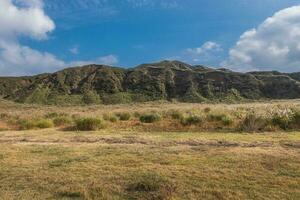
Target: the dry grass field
(182, 151)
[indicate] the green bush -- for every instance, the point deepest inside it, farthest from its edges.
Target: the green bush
(110, 117)
(91, 97)
(124, 116)
(27, 124)
(44, 123)
(225, 119)
(191, 120)
(295, 123)
(88, 124)
(38, 124)
(150, 118)
(176, 114)
(62, 121)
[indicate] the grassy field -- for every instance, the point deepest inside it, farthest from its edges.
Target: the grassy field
(132, 160)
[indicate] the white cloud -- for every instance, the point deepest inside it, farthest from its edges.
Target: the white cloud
(29, 21)
(22, 60)
(27, 18)
(207, 52)
(273, 45)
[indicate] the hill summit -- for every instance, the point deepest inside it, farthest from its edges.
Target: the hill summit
(166, 80)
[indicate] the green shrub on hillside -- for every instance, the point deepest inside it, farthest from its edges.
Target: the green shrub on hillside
(91, 97)
(191, 120)
(44, 123)
(88, 124)
(125, 116)
(176, 114)
(117, 98)
(110, 117)
(36, 124)
(150, 118)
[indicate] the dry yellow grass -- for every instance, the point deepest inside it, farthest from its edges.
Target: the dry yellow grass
(122, 162)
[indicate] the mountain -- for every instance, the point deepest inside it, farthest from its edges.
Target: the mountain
(167, 80)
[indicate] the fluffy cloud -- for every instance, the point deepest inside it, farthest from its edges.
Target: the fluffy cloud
(27, 18)
(206, 52)
(29, 21)
(273, 45)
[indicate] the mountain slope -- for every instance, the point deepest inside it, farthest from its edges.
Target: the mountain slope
(164, 80)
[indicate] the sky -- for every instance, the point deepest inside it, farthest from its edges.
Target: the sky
(38, 36)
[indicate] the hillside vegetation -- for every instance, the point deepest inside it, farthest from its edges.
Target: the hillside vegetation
(167, 80)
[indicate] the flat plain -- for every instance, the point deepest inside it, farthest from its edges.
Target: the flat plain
(165, 159)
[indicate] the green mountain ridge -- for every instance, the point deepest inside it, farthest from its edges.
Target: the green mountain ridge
(166, 80)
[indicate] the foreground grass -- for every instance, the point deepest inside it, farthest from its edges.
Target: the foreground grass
(110, 164)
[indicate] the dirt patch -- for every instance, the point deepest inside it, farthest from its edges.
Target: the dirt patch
(290, 144)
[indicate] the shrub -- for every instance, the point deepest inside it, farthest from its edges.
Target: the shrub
(149, 185)
(175, 114)
(32, 124)
(110, 117)
(27, 124)
(225, 119)
(295, 123)
(91, 97)
(191, 120)
(124, 116)
(62, 121)
(88, 124)
(253, 123)
(44, 123)
(150, 118)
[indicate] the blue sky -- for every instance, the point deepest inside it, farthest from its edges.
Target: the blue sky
(131, 32)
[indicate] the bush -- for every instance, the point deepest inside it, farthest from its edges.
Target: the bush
(191, 120)
(44, 123)
(62, 121)
(110, 117)
(175, 114)
(149, 185)
(253, 123)
(88, 124)
(226, 120)
(281, 121)
(149, 118)
(295, 123)
(91, 97)
(124, 116)
(31, 124)
(27, 125)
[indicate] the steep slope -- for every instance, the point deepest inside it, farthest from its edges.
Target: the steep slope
(164, 80)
